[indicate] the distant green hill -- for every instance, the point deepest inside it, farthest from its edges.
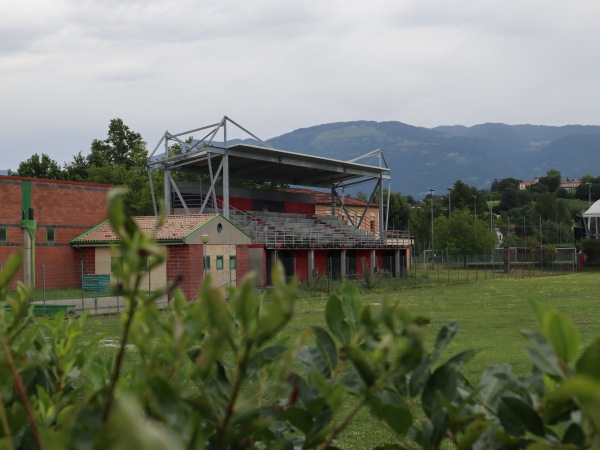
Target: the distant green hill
(436, 157)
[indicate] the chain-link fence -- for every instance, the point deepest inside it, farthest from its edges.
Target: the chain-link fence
(434, 268)
(76, 285)
(80, 285)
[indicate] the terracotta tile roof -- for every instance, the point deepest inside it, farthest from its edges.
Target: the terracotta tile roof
(324, 198)
(174, 228)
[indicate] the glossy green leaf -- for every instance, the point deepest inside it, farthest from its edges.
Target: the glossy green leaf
(493, 384)
(11, 266)
(267, 355)
(311, 359)
(442, 384)
(353, 383)
(362, 364)
(589, 362)
(336, 322)
(444, 337)
(246, 306)
(300, 418)
(327, 348)
(542, 354)
(473, 432)
(351, 303)
(562, 335)
(389, 407)
(586, 392)
(518, 417)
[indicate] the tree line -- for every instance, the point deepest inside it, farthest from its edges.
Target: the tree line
(462, 220)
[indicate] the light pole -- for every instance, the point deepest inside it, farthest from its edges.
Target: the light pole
(474, 207)
(491, 207)
(431, 191)
(589, 185)
(205, 238)
(449, 202)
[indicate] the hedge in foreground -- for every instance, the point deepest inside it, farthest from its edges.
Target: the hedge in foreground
(213, 374)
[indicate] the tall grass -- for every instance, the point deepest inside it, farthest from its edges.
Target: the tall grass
(491, 315)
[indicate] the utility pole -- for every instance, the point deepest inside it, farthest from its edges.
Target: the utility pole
(431, 191)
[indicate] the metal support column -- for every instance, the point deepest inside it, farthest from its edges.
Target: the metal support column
(373, 258)
(343, 267)
(225, 174)
(167, 183)
(333, 195)
(381, 218)
(311, 266)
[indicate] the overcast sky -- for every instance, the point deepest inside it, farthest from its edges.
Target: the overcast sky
(67, 67)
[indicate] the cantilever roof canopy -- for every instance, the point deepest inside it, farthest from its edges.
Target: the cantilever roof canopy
(251, 162)
(257, 161)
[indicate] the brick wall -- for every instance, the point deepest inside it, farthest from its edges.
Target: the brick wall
(70, 208)
(299, 208)
(89, 260)
(242, 258)
(184, 262)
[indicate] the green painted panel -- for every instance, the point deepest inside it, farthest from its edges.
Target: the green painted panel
(96, 283)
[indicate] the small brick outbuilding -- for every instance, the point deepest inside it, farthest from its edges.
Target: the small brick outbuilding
(225, 253)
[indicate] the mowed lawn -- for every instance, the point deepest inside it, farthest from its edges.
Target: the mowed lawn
(491, 314)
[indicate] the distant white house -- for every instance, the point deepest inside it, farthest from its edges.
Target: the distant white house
(499, 236)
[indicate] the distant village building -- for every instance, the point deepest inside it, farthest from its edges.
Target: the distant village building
(569, 185)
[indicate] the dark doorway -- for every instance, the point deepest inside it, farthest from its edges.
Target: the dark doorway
(334, 264)
(287, 261)
(351, 264)
(388, 263)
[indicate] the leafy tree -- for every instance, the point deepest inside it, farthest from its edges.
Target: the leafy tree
(461, 234)
(77, 170)
(499, 186)
(40, 167)
(590, 189)
(120, 160)
(467, 197)
(514, 198)
(399, 213)
(360, 195)
(551, 180)
(121, 147)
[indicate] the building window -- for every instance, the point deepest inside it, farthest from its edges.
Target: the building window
(50, 236)
(219, 228)
(220, 262)
(3, 235)
(232, 263)
(207, 262)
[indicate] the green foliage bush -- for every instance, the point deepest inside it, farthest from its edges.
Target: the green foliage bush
(591, 249)
(214, 374)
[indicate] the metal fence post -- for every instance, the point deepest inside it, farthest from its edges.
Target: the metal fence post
(44, 286)
(82, 292)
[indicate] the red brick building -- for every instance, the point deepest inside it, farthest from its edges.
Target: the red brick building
(41, 217)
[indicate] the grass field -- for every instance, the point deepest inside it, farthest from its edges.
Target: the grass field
(491, 315)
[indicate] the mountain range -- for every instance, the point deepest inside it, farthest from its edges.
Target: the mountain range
(422, 158)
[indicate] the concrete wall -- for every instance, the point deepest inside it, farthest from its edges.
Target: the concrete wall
(156, 279)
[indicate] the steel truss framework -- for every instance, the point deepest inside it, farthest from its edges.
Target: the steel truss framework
(221, 160)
